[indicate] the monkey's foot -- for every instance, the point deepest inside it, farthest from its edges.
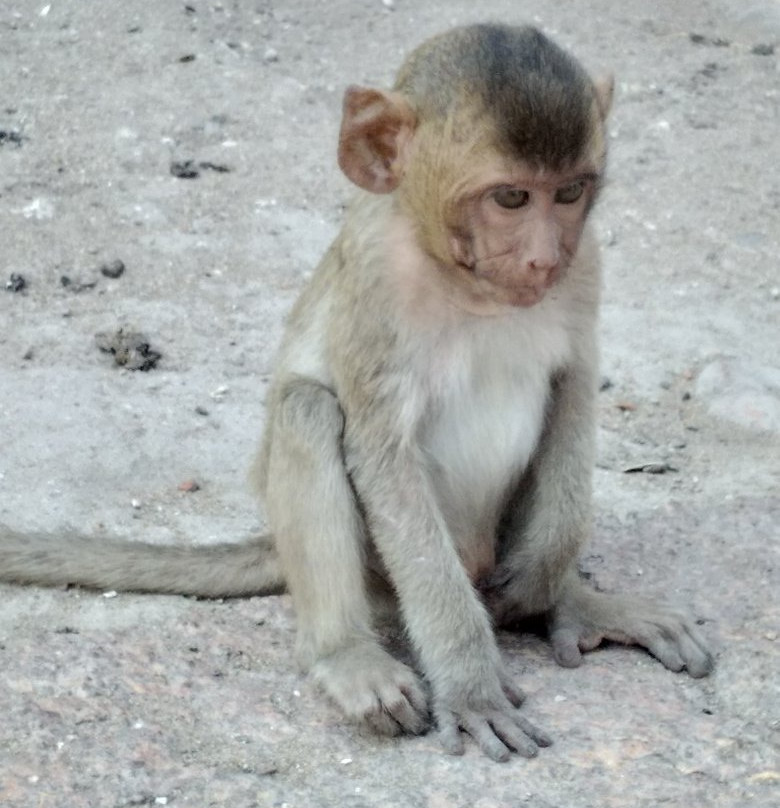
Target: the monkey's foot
(583, 618)
(372, 687)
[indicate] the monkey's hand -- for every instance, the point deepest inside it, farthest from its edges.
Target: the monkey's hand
(487, 710)
(374, 688)
(583, 618)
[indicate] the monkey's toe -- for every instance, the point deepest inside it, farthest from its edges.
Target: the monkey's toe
(566, 649)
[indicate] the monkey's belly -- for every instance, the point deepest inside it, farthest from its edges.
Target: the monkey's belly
(480, 445)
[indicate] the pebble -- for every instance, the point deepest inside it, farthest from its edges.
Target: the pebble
(15, 283)
(113, 269)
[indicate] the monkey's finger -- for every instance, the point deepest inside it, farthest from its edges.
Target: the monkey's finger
(698, 660)
(663, 650)
(515, 695)
(450, 736)
(540, 737)
(398, 706)
(417, 698)
(383, 723)
(566, 649)
(590, 642)
(508, 729)
(481, 731)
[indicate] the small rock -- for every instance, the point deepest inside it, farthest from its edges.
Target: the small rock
(113, 269)
(650, 468)
(189, 486)
(76, 286)
(16, 282)
(220, 168)
(10, 137)
(131, 349)
(184, 170)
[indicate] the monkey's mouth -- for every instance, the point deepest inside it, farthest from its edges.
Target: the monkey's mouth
(526, 296)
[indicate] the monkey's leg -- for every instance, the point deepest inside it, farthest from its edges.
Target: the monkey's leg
(582, 618)
(548, 519)
(320, 538)
(548, 523)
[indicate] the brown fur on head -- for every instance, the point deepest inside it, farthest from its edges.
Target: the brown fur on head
(468, 98)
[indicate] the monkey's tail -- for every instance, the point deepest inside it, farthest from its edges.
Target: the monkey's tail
(209, 571)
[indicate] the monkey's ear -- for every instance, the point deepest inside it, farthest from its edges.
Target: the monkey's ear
(375, 127)
(605, 88)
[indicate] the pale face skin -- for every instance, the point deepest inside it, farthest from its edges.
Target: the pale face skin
(522, 229)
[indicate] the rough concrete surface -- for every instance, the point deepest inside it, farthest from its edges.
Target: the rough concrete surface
(194, 142)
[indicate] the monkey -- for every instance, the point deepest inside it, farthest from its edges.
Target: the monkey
(430, 426)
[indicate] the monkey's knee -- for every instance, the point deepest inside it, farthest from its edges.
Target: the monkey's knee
(511, 595)
(307, 408)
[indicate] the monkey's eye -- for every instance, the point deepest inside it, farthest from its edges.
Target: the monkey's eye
(511, 198)
(569, 194)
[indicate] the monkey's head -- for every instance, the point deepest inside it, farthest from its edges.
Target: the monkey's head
(493, 142)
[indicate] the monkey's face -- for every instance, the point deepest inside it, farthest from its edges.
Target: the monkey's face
(519, 230)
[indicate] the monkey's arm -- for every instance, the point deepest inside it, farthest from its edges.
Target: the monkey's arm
(448, 624)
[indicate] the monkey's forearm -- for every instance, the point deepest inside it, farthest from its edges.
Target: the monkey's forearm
(440, 608)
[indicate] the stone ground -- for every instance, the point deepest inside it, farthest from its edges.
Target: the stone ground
(141, 700)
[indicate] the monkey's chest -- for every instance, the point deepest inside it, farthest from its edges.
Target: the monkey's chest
(481, 440)
(486, 423)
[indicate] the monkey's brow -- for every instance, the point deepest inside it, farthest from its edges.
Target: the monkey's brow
(585, 176)
(559, 180)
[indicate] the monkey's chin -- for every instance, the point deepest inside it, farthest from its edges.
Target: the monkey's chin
(526, 297)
